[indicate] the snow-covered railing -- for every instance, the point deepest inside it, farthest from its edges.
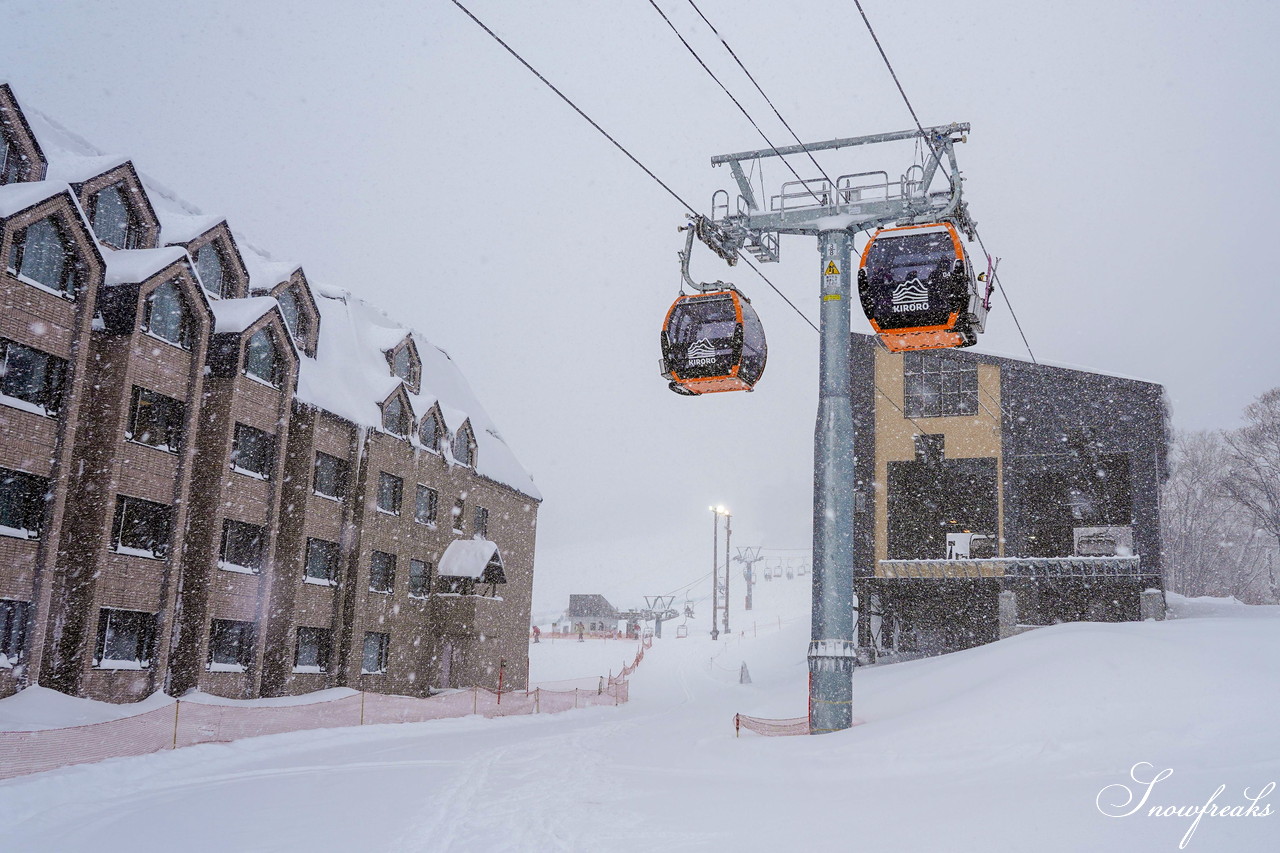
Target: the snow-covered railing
(1011, 567)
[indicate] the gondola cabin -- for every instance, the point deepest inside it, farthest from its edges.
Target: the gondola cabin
(918, 289)
(712, 342)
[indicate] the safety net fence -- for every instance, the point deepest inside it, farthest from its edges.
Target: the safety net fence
(187, 723)
(770, 728)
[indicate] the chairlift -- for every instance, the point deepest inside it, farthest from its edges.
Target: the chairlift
(918, 289)
(712, 340)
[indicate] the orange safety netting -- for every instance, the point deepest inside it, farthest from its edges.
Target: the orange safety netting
(770, 728)
(185, 723)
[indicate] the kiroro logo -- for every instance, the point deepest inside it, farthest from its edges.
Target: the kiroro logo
(701, 352)
(911, 295)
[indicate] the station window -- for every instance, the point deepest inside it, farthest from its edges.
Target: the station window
(211, 269)
(261, 359)
(938, 385)
(395, 416)
(480, 521)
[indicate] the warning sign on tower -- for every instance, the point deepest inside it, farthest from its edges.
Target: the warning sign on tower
(832, 269)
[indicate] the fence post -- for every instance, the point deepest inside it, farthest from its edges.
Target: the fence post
(362, 707)
(575, 697)
(176, 703)
(737, 725)
(475, 699)
(537, 700)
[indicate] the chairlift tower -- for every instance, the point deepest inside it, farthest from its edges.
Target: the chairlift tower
(749, 557)
(834, 214)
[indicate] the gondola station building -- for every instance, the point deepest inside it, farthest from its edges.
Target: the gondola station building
(215, 475)
(996, 494)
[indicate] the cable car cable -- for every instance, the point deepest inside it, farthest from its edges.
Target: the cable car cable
(736, 102)
(995, 277)
(616, 144)
(576, 108)
(761, 91)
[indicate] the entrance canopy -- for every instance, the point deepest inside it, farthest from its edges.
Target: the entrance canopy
(478, 559)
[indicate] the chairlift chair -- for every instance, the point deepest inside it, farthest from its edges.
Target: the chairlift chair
(918, 290)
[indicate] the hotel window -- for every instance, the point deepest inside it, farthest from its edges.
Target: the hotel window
(294, 319)
(427, 505)
(114, 222)
(261, 359)
(382, 572)
(312, 654)
(13, 631)
(156, 420)
(431, 432)
(165, 315)
(937, 385)
(390, 493)
(253, 451)
(375, 653)
(231, 645)
(459, 509)
(464, 447)
(23, 500)
(210, 268)
(322, 561)
(405, 364)
(419, 578)
(32, 376)
(243, 547)
(11, 161)
(126, 639)
(41, 253)
(141, 528)
(480, 522)
(395, 416)
(330, 476)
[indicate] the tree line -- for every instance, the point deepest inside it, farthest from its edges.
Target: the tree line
(1220, 508)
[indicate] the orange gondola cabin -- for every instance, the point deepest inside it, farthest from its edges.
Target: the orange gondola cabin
(712, 342)
(918, 289)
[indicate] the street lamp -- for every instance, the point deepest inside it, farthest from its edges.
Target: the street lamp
(718, 511)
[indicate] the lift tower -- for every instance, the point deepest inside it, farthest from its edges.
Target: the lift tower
(834, 214)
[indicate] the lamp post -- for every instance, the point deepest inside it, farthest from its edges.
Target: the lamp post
(718, 511)
(715, 569)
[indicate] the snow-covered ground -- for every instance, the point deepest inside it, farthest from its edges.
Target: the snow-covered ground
(1008, 747)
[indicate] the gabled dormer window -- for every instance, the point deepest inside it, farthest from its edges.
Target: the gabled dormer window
(292, 316)
(42, 253)
(395, 415)
(167, 317)
(211, 269)
(431, 433)
(261, 360)
(406, 364)
(464, 447)
(114, 221)
(10, 160)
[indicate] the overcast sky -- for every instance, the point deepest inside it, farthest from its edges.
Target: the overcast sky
(1120, 162)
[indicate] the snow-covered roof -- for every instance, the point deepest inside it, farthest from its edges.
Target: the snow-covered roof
(15, 198)
(350, 377)
(134, 265)
(233, 316)
(467, 558)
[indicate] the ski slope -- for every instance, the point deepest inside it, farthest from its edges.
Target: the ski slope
(1001, 748)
